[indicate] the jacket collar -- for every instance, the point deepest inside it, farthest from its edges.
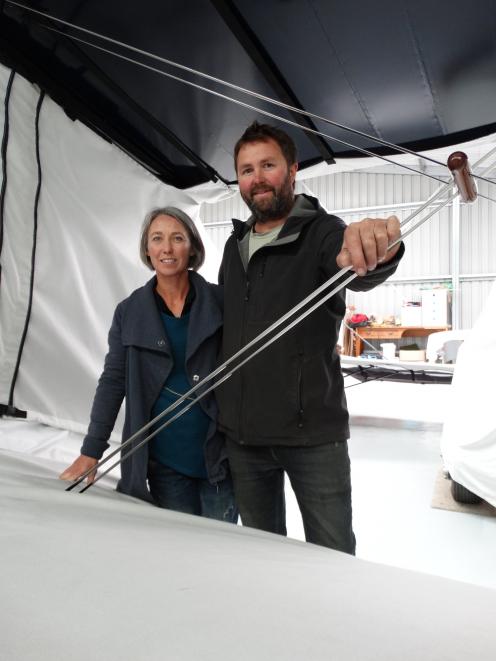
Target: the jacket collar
(143, 325)
(206, 316)
(305, 209)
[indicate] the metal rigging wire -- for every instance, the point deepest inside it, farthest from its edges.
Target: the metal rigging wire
(243, 90)
(341, 274)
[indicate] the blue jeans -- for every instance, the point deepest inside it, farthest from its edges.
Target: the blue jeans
(320, 477)
(191, 495)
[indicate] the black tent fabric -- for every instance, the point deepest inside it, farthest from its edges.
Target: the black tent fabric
(415, 73)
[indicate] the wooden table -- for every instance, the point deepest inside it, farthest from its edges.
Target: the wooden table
(390, 333)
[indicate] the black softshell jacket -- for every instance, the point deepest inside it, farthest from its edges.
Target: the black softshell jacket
(292, 393)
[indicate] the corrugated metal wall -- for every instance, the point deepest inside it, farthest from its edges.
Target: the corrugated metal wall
(429, 257)
(478, 234)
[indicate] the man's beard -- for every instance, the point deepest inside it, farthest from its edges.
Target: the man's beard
(273, 208)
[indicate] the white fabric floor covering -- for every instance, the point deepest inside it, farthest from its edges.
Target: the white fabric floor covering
(102, 576)
(54, 448)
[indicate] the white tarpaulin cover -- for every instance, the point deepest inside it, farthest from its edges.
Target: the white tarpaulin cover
(468, 442)
(102, 576)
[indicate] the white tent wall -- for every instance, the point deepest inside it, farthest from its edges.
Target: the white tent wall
(92, 200)
(17, 228)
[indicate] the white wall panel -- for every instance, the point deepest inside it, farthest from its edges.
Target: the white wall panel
(346, 190)
(478, 233)
(233, 207)
(473, 295)
(219, 234)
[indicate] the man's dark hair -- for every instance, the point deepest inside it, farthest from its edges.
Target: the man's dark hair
(261, 133)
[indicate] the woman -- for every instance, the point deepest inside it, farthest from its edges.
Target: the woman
(163, 340)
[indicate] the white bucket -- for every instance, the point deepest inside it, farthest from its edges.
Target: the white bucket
(388, 350)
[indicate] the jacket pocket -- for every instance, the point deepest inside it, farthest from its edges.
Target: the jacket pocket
(272, 396)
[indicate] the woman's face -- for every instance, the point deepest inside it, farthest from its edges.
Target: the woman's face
(168, 246)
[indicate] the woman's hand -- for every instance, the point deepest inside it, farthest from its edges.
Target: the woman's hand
(78, 467)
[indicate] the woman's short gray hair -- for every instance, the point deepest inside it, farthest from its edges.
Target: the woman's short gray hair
(197, 247)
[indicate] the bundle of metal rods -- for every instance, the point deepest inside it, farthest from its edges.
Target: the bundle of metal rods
(293, 317)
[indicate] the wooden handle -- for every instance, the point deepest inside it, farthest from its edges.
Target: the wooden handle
(460, 169)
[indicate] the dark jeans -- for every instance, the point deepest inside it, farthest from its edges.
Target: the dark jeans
(192, 495)
(320, 477)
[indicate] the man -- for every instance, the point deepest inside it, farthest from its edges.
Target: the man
(285, 410)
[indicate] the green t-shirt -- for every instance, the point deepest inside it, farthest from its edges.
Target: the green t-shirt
(260, 239)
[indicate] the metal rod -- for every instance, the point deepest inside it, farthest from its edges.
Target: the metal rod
(230, 360)
(398, 369)
(219, 369)
(266, 113)
(238, 88)
(455, 265)
(240, 103)
(268, 330)
(213, 79)
(222, 367)
(408, 365)
(390, 377)
(323, 287)
(228, 375)
(363, 339)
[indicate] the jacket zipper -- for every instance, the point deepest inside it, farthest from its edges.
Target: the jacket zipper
(243, 342)
(300, 388)
(262, 268)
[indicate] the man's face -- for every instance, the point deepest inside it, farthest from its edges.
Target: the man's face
(265, 180)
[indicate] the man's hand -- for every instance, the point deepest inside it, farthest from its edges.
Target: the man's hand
(365, 243)
(80, 466)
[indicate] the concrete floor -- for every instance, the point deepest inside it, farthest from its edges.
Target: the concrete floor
(393, 475)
